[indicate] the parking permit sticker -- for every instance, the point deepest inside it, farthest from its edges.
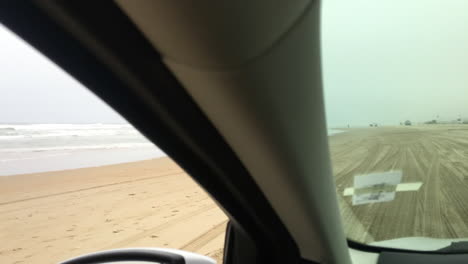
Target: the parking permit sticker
(375, 187)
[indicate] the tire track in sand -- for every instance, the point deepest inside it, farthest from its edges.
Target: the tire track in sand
(163, 226)
(203, 239)
(88, 188)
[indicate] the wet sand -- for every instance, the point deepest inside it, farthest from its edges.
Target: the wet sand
(435, 155)
(49, 217)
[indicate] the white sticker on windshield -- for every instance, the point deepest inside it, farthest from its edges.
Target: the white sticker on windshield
(375, 187)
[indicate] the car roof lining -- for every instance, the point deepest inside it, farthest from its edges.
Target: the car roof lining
(220, 35)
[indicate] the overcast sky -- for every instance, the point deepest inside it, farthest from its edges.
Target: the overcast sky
(34, 90)
(384, 61)
(390, 60)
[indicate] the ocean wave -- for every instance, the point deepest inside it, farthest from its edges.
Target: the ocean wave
(334, 131)
(13, 132)
(7, 131)
(81, 147)
(64, 126)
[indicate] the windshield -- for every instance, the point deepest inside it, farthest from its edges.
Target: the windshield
(395, 79)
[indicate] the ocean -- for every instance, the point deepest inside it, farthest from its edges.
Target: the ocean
(331, 131)
(31, 148)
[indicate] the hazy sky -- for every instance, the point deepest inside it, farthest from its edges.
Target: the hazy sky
(384, 61)
(390, 60)
(34, 90)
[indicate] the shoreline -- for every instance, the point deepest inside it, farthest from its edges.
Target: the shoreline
(18, 163)
(31, 174)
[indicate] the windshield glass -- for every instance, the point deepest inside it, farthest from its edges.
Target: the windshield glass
(395, 79)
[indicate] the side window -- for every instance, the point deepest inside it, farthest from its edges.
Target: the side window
(75, 177)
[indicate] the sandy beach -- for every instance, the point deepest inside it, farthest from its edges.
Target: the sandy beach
(433, 155)
(52, 216)
(49, 217)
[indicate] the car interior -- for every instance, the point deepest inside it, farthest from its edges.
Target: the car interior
(233, 92)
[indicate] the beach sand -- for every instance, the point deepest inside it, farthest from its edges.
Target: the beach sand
(49, 217)
(434, 155)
